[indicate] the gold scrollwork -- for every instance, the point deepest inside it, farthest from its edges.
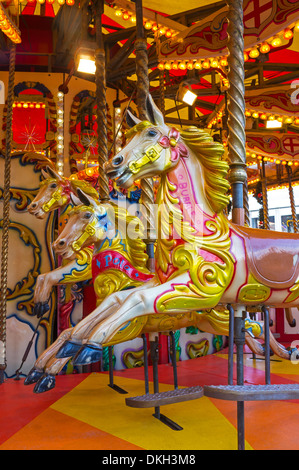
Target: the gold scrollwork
(198, 349)
(23, 196)
(24, 287)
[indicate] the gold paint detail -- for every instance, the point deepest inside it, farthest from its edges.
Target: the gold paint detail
(215, 168)
(294, 293)
(133, 359)
(208, 280)
(253, 291)
(198, 349)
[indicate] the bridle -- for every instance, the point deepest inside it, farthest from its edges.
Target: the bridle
(153, 152)
(90, 229)
(57, 197)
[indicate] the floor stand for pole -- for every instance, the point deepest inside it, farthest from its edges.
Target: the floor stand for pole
(158, 399)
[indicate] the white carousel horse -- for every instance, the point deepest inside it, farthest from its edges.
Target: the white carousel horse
(87, 226)
(119, 262)
(55, 193)
(203, 261)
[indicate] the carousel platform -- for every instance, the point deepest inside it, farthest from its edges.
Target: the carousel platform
(83, 413)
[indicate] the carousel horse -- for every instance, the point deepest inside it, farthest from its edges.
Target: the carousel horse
(114, 268)
(87, 226)
(55, 193)
(203, 261)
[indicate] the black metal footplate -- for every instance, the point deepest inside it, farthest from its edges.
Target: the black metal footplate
(165, 398)
(253, 392)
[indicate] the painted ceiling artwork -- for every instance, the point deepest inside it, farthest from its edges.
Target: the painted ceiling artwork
(262, 21)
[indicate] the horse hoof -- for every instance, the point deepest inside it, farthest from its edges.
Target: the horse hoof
(68, 349)
(33, 376)
(87, 355)
(45, 383)
(294, 355)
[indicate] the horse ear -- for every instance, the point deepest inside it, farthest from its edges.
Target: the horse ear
(45, 174)
(131, 119)
(155, 115)
(52, 173)
(85, 199)
(75, 200)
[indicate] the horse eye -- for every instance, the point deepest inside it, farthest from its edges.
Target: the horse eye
(87, 215)
(53, 185)
(152, 133)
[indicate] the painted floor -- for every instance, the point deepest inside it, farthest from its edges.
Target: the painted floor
(83, 413)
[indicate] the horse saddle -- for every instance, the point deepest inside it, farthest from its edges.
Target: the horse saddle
(272, 257)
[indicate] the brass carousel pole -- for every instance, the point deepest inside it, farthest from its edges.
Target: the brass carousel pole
(237, 175)
(292, 200)
(236, 109)
(147, 186)
(100, 81)
(6, 222)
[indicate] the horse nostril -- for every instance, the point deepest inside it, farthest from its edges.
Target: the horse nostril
(61, 243)
(33, 205)
(117, 160)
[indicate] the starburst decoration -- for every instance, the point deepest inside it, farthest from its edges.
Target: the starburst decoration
(30, 137)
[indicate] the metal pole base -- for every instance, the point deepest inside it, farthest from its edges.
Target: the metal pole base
(171, 424)
(154, 350)
(111, 384)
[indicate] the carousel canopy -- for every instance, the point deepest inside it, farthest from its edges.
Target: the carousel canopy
(187, 51)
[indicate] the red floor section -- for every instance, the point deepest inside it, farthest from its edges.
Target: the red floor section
(19, 406)
(27, 420)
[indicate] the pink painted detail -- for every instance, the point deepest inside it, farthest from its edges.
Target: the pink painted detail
(210, 257)
(113, 260)
(66, 187)
(185, 193)
(176, 150)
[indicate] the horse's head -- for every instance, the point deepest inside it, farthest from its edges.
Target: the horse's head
(89, 222)
(153, 148)
(54, 192)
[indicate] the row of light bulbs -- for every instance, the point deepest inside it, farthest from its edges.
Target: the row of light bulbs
(275, 41)
(50, 2)
(28, 104)
(148, 24)
(216, 62)
(193, 64)
(8, 28)
(277, 161)
(60, 133)
(271, 117)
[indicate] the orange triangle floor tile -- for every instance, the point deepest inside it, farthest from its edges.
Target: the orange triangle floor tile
(52, 430)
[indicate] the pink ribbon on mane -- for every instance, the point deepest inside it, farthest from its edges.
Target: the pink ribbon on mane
(178, 149)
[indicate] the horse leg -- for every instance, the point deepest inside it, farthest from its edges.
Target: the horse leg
(84, 328)
(47, 358)
(62, 275)
(138, 303)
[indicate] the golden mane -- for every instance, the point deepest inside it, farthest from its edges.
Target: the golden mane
(210, 155)
(128, 224)
(85, 187)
